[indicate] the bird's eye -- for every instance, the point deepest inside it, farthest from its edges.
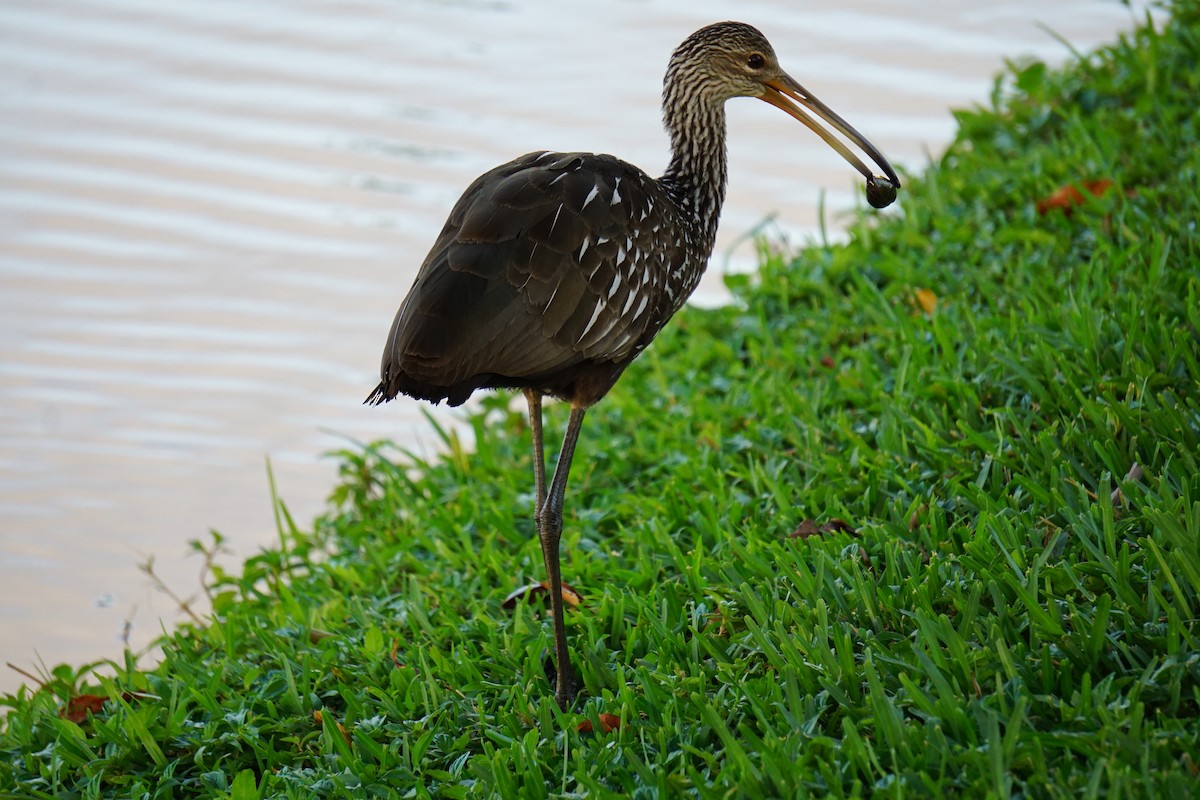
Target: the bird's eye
(755, 61)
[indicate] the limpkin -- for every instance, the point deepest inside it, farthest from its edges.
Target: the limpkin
(556, 270)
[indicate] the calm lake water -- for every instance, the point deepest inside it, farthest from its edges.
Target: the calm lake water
(209, 212)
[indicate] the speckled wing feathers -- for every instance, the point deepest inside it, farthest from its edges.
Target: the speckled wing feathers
(549, 266)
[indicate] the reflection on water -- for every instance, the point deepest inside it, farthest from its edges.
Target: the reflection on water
(209, 212)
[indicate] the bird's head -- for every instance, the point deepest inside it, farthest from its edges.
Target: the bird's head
(724, 60)
(733, 59)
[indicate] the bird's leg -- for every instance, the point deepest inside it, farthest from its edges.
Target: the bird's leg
(549, 523)
(534, 398)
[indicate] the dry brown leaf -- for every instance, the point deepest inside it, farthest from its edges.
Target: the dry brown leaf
(539, 589)
(77, 708)
(809, 527)
(805, 529)
(569, 595)
(316, 635)
(1068, 196)
(609, 722)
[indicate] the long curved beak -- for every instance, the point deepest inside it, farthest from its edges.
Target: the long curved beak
(786, 94)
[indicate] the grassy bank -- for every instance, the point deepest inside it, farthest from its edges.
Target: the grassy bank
(919, 515)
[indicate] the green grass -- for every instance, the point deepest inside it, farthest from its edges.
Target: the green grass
(1000, 624)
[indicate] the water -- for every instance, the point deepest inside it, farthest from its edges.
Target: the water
(210, 211)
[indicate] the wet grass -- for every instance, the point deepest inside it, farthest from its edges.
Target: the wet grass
(1008, 607)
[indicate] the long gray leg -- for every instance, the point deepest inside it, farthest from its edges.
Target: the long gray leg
(534, 398)
(549, 524)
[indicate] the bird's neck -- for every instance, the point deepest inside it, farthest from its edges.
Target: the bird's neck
(695, 178)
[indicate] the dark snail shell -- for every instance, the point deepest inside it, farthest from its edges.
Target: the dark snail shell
(881, 192)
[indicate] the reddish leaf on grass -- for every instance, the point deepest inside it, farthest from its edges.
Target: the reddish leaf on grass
(540, 589)
(827, 362)
(809, 527)
(77, 708)
(1068, 196)
(609, 722)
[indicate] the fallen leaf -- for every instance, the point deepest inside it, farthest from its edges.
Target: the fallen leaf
(531, 590)
(927, 300)
(1068, 196)
(570, 596)
(805, 529)
(610, 723)
(77, 708)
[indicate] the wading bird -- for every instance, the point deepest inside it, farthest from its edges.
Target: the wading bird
(556, 270)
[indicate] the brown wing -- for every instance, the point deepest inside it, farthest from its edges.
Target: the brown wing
(547, 265)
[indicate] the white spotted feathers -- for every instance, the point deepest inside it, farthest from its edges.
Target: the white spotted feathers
(555, 270)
